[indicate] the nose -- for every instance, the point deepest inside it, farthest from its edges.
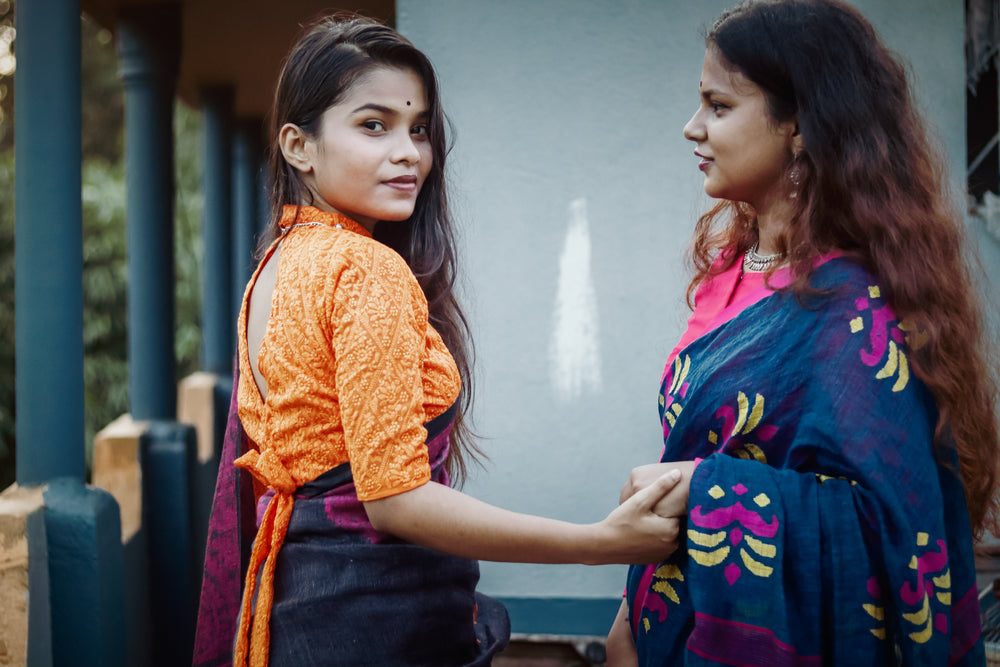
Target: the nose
(405, 149)
(694, 129)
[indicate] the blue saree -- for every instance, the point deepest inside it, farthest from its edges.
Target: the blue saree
(823, 527)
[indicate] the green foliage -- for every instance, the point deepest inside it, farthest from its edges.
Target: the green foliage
(105, 317)
(188, 241)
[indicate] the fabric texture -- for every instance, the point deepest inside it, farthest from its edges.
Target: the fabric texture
(231, 530)
(823, 526)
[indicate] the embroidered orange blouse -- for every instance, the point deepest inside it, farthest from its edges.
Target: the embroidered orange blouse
(353, 370)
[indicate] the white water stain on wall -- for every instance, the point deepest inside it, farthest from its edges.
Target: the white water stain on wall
(574, 354)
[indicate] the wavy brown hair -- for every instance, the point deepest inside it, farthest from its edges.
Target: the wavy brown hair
(330, 56)
(873, 187)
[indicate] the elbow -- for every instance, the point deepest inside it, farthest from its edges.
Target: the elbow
(380, 515)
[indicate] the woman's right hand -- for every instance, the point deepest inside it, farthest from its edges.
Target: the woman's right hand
(633, 533)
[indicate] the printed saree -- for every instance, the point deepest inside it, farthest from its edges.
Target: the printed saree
(823, 527)
(344, 594)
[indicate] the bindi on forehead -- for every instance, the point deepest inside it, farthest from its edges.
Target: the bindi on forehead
(407, 102)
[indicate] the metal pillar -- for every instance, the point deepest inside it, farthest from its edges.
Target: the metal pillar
(218, 317)
(148, 51)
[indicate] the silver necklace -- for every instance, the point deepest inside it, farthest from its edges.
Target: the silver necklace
(754, 263)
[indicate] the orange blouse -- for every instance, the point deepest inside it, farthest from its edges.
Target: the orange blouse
(353, 369)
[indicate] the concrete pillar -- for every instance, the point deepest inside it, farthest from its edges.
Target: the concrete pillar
(148, 51)
(218, 317)
(24, 579)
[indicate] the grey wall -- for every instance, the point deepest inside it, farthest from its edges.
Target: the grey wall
(576, 194)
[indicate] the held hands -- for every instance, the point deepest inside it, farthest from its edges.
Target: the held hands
(634, 532)
(674, 503)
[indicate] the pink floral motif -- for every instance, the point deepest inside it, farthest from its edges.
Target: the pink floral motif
(929, 563)
(732, 573)
(941, 622)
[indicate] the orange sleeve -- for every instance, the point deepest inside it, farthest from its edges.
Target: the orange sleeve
(379, 339)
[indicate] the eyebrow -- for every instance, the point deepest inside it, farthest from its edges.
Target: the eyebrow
(380, 108)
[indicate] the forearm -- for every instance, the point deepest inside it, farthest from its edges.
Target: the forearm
(620, 647)
(442, 518)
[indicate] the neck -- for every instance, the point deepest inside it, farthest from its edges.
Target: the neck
(772, 221)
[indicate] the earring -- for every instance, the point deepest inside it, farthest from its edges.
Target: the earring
(795, 176)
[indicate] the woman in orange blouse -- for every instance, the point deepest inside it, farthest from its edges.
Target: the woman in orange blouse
(353, 380)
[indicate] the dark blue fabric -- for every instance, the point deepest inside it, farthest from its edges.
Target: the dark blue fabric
(823, 527)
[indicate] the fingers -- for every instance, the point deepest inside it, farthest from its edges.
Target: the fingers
(648, 497)
(674, 503)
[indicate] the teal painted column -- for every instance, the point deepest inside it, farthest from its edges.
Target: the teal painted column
(218, 316)
(82, 525)
(246, 200)
(148, 52)
(49, 243)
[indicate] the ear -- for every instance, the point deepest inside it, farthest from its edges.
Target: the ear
(797, 142)
(293, 144)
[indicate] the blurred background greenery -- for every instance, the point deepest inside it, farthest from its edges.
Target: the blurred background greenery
(105, 319)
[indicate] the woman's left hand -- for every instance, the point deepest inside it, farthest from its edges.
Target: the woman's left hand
(674, 503)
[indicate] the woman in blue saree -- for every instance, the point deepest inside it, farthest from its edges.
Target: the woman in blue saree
(831, 405)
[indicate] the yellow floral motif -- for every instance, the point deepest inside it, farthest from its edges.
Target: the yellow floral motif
(707, 540)
(922, 617)
(878, 613)
(824, 478)
(672, 411)
(897, 362)
(755, 566)
(708, 558)
(762, 548)
(751, 549)
(680, 372)
(752, 451)
(919, 596)
(747, 419)
(882, 347)
(662, 585)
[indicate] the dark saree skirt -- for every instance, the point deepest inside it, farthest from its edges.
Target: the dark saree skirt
(342, 600)
(344, 594)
